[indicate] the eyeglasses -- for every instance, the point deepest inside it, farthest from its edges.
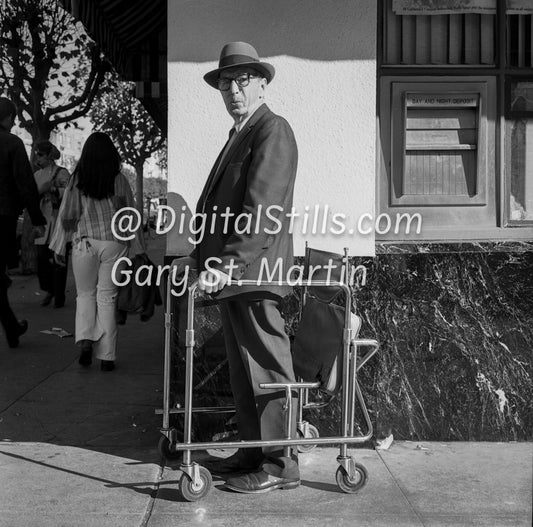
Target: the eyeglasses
(241, 80)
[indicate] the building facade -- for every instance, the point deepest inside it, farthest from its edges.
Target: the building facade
(414, 120)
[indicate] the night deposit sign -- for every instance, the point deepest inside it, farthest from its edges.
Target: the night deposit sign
(441, 99)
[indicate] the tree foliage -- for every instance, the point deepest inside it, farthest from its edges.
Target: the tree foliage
(153, 187)
(117, 112)
(48, 66)
(162, 159)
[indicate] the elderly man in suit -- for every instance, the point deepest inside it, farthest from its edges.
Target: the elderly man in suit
(18, 190)
(249, 191)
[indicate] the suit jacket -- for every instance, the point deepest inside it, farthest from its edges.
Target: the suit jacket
(18, 189)
(254, 183)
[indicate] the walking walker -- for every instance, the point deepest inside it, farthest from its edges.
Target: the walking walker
(326, 301)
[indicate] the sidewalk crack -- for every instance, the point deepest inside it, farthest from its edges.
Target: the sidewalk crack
(153, 495)
(400, 489)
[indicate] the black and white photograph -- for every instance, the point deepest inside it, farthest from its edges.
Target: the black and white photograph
(266, 263)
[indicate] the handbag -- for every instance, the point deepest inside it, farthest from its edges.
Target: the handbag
(135, 298)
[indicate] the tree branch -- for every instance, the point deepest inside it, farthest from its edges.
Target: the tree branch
(88, 102)
(96, 75)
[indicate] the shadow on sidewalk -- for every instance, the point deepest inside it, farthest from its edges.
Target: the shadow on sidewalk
(46, 397)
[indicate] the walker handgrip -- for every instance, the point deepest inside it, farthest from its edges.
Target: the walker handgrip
(256, 283)
(289, 385)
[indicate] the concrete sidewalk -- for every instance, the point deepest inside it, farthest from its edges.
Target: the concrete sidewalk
(79, 448)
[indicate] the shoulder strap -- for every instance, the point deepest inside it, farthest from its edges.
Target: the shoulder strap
(73, 207)
(55, 173)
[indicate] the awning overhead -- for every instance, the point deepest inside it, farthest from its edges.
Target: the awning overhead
(132, 34)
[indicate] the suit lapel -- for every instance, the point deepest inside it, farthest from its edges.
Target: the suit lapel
(221, 166)
(209, 183)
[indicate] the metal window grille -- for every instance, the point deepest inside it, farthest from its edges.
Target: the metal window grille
(451, 40)
(520, 41)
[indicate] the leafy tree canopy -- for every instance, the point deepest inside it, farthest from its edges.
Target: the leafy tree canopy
(48, 65)
(117, 112)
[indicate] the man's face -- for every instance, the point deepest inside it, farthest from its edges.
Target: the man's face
(241, 101)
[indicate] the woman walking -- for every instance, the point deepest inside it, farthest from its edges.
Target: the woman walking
(97, 190)
(51, 181)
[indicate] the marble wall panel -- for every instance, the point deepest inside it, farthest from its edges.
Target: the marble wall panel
(455, 324)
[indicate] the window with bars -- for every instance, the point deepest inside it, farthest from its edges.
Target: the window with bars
(519, 41)
(450, 40)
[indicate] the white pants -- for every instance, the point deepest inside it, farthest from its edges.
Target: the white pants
(92, 262)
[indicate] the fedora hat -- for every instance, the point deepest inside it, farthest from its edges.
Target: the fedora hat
(239, 54)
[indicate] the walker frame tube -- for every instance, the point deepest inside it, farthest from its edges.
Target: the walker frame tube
(350, 389)
(167, 359)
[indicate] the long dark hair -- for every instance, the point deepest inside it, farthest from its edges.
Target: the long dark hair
(98, 166)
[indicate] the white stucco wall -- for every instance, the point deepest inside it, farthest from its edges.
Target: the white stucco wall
(325, 86)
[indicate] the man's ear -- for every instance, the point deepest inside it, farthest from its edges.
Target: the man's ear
(262, 85)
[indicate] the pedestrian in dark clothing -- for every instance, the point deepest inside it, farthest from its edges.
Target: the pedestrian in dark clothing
(17, 191)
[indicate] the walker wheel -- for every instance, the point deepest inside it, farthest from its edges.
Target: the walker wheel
(310, 432)
(351, 485)
(191, 492)
(165, 449)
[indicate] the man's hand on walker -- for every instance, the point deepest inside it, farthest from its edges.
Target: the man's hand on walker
(59, 259)
(212, 281)
(182, 263)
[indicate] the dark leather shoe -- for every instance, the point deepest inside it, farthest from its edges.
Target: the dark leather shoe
(107, 365)
(23, 324)
(86, 357)
(260, 482)
(13, 340)
(230, 465)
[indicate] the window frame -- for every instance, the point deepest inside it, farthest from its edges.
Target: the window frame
(503, 75)
(509, 115)
(397, 169)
